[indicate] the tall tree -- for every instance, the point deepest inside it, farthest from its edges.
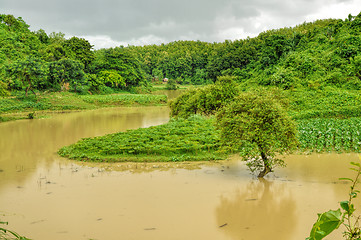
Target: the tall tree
(257, 125)
(81, 50)
(124, 62)
(30, 71)
(66, 71)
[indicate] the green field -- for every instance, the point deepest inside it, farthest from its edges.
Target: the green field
(12, 108)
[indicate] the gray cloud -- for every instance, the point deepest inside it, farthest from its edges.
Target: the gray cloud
(139, 21)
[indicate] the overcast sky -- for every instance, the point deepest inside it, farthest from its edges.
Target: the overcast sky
(110, 23)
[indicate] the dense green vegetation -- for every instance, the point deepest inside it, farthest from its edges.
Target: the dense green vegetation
(35, 61)
(197, 138)
(21, 106)
(192, 139)
(324, 53)
(312, 71)
(330, 135)
(345, 216)
(256, 125)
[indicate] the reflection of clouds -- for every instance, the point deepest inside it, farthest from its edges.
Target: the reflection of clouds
(261, 210)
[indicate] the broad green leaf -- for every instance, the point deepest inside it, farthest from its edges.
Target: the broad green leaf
(345, 205)
(325, 224)
(346, 179)
(356, 164)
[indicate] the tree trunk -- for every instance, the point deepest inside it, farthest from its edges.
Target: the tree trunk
(266, 169)
(29, 84)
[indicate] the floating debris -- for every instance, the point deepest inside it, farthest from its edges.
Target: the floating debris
(223, 225)
(150, 229)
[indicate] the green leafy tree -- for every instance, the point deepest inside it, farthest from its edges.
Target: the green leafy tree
(121, 60)
(206, 100)
(256, 124)
(94, 82)
(30, 71)
(81, 50)
(171, 84)
(66, 71)
(3, 89)
(111, 78)
(157, 75)
(43, 37)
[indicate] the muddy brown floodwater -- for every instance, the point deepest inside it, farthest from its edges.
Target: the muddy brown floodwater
(43, 196)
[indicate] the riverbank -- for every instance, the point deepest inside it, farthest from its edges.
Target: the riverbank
(21, 107)
(193, 139)
(197, 139)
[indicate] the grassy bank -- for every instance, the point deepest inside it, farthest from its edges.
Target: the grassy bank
(13, 108)
(325, 103)
(197, 139)
(194, 139)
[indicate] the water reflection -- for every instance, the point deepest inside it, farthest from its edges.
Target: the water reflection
(258, 211)
(25, 144)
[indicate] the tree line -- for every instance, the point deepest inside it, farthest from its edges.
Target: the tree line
(311, 55)
(34, 60)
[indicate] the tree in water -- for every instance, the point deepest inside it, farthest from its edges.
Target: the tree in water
(256, 125)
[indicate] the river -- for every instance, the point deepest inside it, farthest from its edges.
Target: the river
(44, 196)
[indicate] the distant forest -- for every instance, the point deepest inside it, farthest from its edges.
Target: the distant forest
(323, 53)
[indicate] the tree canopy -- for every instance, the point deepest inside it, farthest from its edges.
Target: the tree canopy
(311, 55)
(256, 125)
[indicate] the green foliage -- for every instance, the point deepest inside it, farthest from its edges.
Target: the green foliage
(31, 115)
(322, 135)
(123, 62)
(257, 126)
(8, 234)
(171, 84)
(111, 78)
(329, 221)
(3, 90)
(72, 101)
(312, 55)
(205, 100)
(125, 99)
(65, 71)
(30, 71)
(95, 84)
(326, 223)
(191, 139)
(328, 103)
(80, 49)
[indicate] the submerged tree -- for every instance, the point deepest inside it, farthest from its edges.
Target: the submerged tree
(257, 126)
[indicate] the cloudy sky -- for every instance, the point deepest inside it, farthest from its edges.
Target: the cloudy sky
(110, 23)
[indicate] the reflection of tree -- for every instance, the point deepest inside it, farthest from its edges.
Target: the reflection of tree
(263, 210)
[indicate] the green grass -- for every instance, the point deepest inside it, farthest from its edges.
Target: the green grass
(198, 139)
(328, 103)
(194, 139)
(64, 101)
(326, 135)
(124, 99)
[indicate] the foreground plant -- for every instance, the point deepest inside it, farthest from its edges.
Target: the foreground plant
(329, 221)
(8, 234)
